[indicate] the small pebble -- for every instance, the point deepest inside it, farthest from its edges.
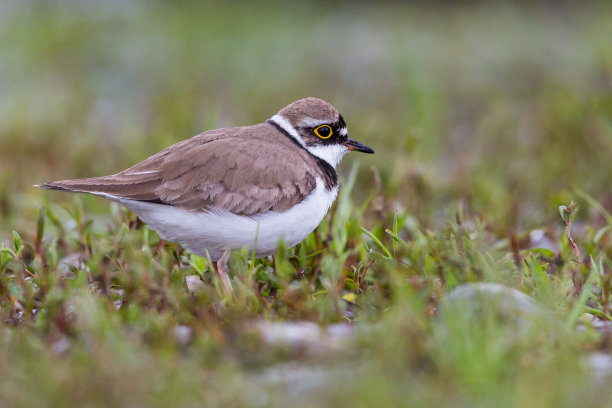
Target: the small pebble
(183, 335)
(194, 284)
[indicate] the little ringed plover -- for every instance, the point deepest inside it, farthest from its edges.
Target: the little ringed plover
(239, 187)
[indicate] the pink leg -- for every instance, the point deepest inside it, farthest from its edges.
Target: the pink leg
(221, 269)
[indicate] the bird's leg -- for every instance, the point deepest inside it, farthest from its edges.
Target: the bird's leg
(221, 269)
(159, 246)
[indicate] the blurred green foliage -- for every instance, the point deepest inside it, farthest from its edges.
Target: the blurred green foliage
(485, 119)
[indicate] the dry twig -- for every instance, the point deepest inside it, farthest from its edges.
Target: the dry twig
(567, 216)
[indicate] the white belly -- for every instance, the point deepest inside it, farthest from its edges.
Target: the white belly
(218, 230)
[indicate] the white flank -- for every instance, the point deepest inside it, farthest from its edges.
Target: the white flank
(287, 127)
(330, 153)
(218, 230)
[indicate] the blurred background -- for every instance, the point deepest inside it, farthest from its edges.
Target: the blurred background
(485, 117)
(502, 106)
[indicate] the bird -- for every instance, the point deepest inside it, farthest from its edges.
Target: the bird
(230, 188)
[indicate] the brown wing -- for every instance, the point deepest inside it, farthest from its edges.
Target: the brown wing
(242, 170)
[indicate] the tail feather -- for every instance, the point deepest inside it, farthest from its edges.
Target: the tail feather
(51, 186)
(106, 186)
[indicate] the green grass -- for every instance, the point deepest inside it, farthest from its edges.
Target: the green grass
(485, 119)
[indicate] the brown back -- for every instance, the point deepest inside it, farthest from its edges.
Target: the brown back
(244, 170)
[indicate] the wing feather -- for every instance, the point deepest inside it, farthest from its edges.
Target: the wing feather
(222, 168)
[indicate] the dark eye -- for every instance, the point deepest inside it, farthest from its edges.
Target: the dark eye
(324, 131)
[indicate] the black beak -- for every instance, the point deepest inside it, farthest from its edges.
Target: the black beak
(357, 147)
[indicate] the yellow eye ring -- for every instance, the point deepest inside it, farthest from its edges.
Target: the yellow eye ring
(324, 131)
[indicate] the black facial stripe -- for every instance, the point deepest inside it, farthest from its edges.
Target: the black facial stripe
(334, 139)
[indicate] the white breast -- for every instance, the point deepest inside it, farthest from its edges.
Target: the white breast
(218, 230)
